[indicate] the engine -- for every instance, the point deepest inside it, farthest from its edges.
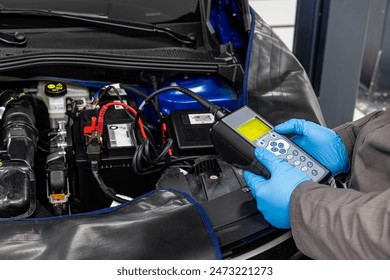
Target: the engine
(73, 146)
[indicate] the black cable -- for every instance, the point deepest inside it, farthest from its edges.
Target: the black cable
(109, 192)
(133, 90)
(217, 111)
(164, 151)
(139, 93)
(146, 160)
(153, 79)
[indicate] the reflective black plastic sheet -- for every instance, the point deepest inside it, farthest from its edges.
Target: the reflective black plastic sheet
(161, 225)
(278, 87)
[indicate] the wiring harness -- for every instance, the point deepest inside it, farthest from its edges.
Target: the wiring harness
(148, 158)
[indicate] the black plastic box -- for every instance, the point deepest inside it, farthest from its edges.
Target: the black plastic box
(190, 131)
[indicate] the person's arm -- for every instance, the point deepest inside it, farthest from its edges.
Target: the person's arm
(327, 223)
(332, 148)
(349, 131)
(332, 223)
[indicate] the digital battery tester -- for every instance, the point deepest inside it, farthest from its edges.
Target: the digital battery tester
(236, 135)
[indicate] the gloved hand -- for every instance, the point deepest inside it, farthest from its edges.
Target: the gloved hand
(273, 195)
(320, 142)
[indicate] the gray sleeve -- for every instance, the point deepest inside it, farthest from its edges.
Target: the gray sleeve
(332, 223)
(349, 131)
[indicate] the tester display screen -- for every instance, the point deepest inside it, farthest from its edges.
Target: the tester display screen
(253, 129)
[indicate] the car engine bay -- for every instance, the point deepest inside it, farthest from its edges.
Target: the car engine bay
(72, 146)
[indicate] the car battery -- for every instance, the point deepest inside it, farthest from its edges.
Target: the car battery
(115, 166)
(190, 131)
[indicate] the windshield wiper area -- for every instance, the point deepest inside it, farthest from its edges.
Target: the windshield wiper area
(17, 39)
(186, 40)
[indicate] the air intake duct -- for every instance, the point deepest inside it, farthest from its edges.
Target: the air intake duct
(18, 141)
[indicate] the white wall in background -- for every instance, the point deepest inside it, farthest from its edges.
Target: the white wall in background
(280, 15)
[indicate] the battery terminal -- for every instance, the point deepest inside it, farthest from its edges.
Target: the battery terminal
(94, 140)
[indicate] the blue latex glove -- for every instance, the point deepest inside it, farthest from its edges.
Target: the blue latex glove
(320, 142)
(273, 195)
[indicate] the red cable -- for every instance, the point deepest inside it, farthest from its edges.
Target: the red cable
(103, 110)
(164, 136)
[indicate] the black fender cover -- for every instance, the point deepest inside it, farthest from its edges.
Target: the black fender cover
(164, 224)
(277, 85)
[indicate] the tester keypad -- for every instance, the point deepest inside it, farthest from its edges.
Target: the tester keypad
(279, 146)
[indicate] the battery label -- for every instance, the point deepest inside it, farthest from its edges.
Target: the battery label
(119, 135)
(205, 118)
